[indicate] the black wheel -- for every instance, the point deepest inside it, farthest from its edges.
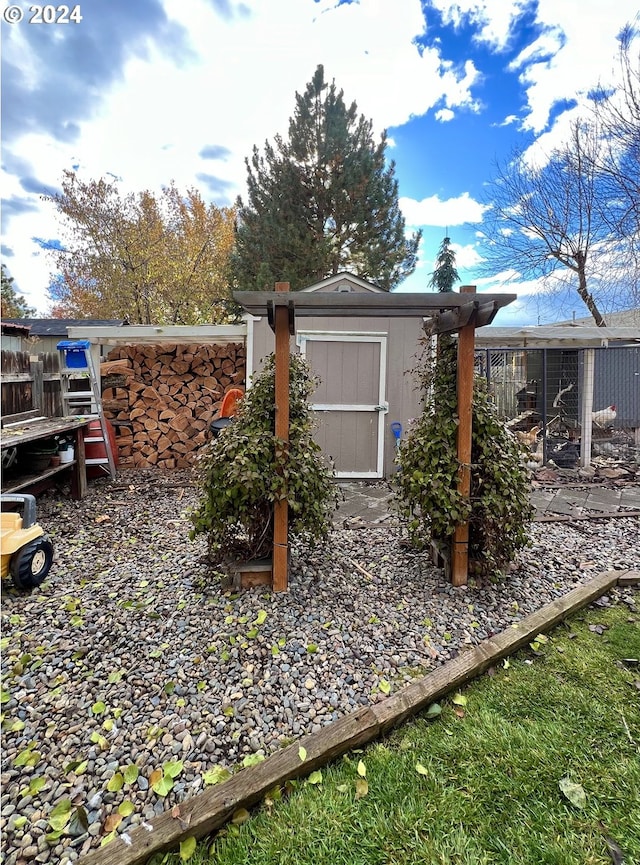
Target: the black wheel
(31, 564)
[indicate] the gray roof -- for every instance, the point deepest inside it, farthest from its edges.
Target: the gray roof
(58, 326)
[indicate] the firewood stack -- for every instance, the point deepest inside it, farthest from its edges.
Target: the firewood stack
(162, 397)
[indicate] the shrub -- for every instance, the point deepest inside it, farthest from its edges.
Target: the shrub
(499, 508)
(242, 472)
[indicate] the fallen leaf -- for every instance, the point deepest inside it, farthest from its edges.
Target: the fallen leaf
(421, 770)
(459, 700)
(574, 792)
(362, 788)
(112, 822)
(384, 686)
(302, 753)
(155, 776)
(240, 816)
(433, 711)
(187, 848)
(362, 769)
(315, 777)
(102, 518)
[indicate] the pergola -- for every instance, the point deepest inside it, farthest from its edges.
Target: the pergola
(447, 312)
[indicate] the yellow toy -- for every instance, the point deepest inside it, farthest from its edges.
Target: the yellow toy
(26, 552)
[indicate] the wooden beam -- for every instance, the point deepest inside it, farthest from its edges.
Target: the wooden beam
(205, 812)
(460, 548)
(281, 508)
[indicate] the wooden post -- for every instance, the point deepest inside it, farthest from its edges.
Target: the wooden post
(466, 341)
(586, 407)
(281, 508)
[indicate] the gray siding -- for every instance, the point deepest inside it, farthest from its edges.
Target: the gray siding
(403, 346)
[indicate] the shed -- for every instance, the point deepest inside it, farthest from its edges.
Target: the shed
(364, 366)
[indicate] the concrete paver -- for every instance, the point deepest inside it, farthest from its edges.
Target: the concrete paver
(368, 504)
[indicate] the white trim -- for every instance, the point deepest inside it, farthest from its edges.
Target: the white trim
(140, 333)
(342, 277)
(338, 336)
(341, 336)
(357, 475)
(249, 321)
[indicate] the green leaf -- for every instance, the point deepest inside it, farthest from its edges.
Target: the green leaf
(36, 784)
(163, 786)
(126, 808)
(173, 768)
(216, 775)
(261, 617)
(312, 648)
(434, 711)
(131, 774)
(253, 759)
(187, 848)
(228, 711)
(459, 700)
(98, 708)
(302, 753)
(342, 788)
(107, 839)
(108, 724)
(384, 686)
(574, 792)
(421, 770)
(315, 778)
(19, 822)
(362, 769)
(60, 815)
(115, 783)
(253, 633)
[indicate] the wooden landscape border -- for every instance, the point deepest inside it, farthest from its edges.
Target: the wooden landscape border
(205, 812)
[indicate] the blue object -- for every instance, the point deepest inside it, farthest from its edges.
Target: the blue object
(74, 352)
(396, 429)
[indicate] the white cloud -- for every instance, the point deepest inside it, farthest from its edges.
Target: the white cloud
(436, 212)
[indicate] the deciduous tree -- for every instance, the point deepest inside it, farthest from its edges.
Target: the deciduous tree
(150, 259)
(547, 219)
(322, 201)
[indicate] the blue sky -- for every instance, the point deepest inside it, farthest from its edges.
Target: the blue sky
(158, 90)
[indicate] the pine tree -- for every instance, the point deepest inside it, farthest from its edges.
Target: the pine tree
(13, 305)
(322, 202)
(445, 275)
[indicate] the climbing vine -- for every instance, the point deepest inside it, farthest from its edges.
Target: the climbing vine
(498, 509)
(246, 469)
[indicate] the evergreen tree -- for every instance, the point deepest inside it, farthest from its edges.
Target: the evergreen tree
(445, 275)
(13, 304)
(322, 201)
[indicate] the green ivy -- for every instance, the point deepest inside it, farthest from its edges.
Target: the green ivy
(499, 508)
(242, 472)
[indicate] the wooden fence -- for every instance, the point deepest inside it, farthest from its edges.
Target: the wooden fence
(30, 386)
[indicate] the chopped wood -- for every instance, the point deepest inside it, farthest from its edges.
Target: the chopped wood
(169, 397)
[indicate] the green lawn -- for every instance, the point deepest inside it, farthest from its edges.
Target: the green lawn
(480, 786)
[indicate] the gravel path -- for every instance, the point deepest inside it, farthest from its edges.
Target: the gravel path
(130, 661)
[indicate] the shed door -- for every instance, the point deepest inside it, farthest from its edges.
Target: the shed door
(350, 401)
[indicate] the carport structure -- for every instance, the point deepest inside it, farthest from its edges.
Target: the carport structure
(447, 312)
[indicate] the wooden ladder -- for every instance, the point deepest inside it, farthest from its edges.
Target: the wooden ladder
(76, 363)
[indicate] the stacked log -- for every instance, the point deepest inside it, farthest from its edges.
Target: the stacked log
(162, 397)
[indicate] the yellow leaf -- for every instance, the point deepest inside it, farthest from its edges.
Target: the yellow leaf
(362, 788)
(240, 816)
(302, 753)
(362, 769)
(421, 770)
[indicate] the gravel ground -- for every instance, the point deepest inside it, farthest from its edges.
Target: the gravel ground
(131, 660)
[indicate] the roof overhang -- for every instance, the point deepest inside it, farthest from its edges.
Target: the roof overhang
(556, 336)
(445, 312)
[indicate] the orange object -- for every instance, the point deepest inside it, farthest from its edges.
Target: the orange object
(230, 402)
(97, 450)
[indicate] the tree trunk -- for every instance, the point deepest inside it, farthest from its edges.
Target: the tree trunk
(587, 298)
